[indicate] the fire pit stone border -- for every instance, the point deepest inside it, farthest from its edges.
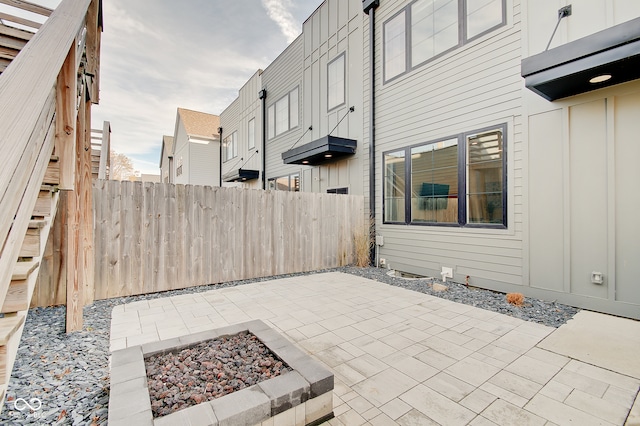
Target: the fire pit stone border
(303, 396)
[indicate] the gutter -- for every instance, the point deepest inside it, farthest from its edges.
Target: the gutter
(262, 95)
(369, 7)
(220, 138)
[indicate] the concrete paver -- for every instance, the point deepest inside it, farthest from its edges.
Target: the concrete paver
(406, 358)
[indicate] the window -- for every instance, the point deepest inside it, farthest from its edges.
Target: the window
(426, 29)
(395, 46)
(251, 134)
(286, 183)
(343, 191)
(230, 146)
(336, 82)
(283, 115)
(179, 167)
(394, 186)
(457, 181)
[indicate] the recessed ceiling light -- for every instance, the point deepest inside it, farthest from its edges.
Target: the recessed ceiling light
(328, 156)
(305, 162)
(600, 78)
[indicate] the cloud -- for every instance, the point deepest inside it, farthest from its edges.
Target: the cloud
(280, 12)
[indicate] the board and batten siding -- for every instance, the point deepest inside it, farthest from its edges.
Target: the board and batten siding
(471, 87)
(282, 76)
(235, 118)
(334, 29)
(581, 155)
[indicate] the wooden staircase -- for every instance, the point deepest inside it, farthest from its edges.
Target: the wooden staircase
(49, 78)
(25, 273)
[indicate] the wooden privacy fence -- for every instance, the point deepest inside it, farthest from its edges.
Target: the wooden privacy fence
(156, 237)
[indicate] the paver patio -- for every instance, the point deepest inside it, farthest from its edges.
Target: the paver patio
(401, 357)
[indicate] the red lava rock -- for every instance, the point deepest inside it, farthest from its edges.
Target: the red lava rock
(208, 371)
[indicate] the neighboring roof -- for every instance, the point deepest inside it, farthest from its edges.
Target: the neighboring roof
(199, 123)
(167, 146)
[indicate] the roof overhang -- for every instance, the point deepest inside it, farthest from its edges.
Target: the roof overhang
(568, 70)
(325, 149)
(241, 175)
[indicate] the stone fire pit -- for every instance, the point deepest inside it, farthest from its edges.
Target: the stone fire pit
(303, 396)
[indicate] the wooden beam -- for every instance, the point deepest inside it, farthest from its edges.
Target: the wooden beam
(93, 41)
(19, 20)
(85, 188)
(75, 298)
(66, 95)
(28, 6)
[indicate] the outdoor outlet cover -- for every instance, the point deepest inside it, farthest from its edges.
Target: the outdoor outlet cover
(447, 272)
(597, 277)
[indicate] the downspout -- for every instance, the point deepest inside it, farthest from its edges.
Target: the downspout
(369, 7)
(220, 139)
(262, 95)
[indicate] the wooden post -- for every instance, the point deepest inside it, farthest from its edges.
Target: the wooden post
(74, 256)
(94, 30)
(66, 96)
(85, 197)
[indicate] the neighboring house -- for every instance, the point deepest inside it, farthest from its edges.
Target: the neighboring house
(514, 184)
(167, 171)
(196, 148)
(241, 133)
(311, 98)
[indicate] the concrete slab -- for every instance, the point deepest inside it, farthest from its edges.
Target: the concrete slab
(603, 340)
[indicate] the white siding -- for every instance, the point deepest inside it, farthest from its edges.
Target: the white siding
(182, 152)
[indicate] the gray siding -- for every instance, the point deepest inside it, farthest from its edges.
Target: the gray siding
(235, 118)
(472, 87)
(282, 76)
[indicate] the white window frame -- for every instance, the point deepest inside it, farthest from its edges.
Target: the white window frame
(337, 82)
(284, 114)
(251, 133)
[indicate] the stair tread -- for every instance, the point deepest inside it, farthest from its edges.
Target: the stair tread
(55, 158)
(23, 269)
(37, 224)
(8, 326)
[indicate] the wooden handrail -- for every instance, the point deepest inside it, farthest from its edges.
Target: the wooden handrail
(26, 89)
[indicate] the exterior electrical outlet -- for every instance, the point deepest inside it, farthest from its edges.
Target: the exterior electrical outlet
(597, 277)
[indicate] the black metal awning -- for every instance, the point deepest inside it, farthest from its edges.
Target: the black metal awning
(328, 148)
(240, 175)
(603, 59)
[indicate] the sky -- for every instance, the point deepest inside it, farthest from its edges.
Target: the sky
(159, 55)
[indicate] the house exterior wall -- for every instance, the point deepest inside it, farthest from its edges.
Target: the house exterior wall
(204, 163)
(581, 201)
(471, 87)
(236, 118)
(334, 29)
(281, 77)
(182, 152)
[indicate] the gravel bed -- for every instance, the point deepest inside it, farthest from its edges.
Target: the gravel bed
(69, 374)
(208, 371)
